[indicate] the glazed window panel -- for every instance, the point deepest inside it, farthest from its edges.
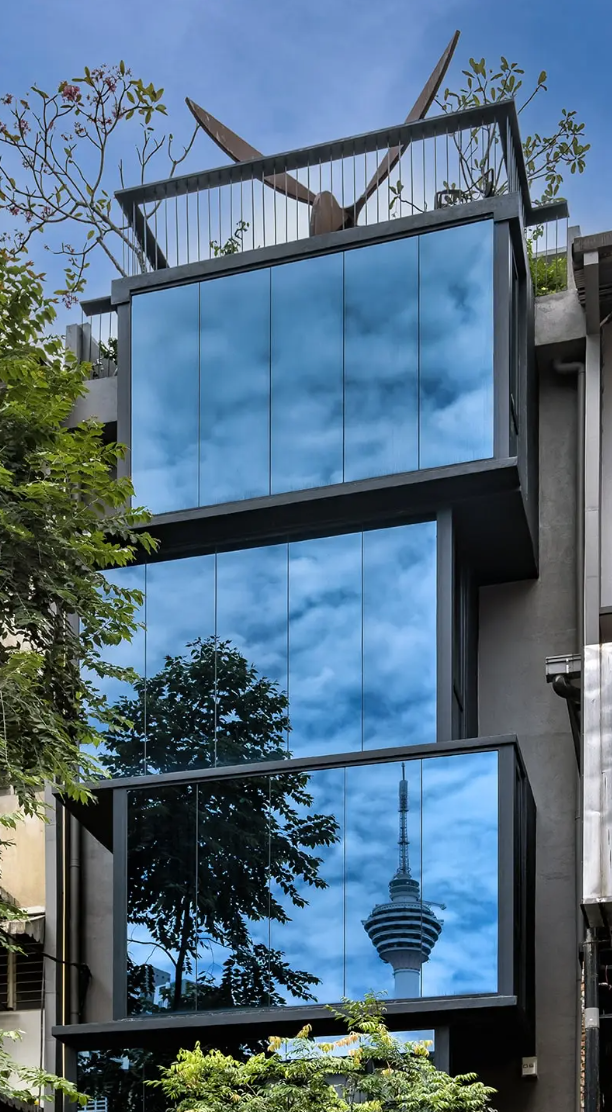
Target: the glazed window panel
(346, 366)
(305, 887)
(456, 345)
(381, 356)
(306, 374)
(317, 646)
(234, 387)
(165, 391)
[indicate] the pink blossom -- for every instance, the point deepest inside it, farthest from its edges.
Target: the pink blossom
(70, 92)
(14, 210)
(24, 126)
(7, 99)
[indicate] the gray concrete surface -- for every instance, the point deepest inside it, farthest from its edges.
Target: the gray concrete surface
(520, 625)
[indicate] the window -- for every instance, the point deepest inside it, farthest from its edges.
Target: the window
(345, 366)
(21, 977)
(308, 886)
(316, 646)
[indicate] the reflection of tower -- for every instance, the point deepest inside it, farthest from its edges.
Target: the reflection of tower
(405, 930)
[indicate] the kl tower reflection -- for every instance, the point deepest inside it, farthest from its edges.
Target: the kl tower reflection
(404, 930)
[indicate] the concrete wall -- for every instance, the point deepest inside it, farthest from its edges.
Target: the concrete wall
(22, 868)
(97, 928)
(520, 625)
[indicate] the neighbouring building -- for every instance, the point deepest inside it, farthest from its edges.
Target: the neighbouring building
(377, 460)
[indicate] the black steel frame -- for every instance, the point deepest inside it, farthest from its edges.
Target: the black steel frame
(503, 114)
(516, 849)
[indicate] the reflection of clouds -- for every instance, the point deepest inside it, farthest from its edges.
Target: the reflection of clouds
(456, 341)
(381, 359)
(165, 398)
(306, 376)
(334, 368)
(452, 830)
(234, 386)
(345, 625)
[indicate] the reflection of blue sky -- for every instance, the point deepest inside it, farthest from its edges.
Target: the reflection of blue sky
(381, 359)
(234, 387)
(456, 341)
(339, 367)
(306, 329)
(453, 853)
(345, 625)
(165, 398)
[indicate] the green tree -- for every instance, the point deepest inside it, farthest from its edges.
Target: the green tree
(481, 166)
(368, 1068)
(547, 157)
(62, 522)
(251, 838)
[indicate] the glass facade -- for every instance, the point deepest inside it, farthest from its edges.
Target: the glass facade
(304, 648)
(345, 366)
(268, 890)
(119, 1080)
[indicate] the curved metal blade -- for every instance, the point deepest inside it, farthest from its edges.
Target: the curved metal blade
(419, 109)
(241, 151)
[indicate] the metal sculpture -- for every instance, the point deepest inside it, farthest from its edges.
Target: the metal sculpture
(326, 214)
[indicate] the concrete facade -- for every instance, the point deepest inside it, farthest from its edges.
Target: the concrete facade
(521, 624)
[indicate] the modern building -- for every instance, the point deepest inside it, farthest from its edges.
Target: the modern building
(377, 463)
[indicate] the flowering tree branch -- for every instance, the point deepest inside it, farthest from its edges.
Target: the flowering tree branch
(54, 158)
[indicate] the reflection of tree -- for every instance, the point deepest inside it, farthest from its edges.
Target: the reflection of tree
(205, 861)
(121, 1077)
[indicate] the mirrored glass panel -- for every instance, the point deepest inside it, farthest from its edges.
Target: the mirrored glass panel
(456, 345)
(318, 646)
(162, 896)
(116, 1080)
(381, 356)
(251, 669)
(306, 402)
(165, 393)
(235, 387)
(459, 870)
(307, 887)
(125, 749)
(331, 369)
(399, 636)
(325, 644)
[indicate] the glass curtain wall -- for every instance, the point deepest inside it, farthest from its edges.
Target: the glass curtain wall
(268, 890)
(345, 366)
(310, 647)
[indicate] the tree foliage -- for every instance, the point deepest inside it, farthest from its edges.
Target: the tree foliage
(205, 860)
(61, 162)
(482, 172)
(63, 520)
(28, 1084)
(368, 1068)
(547, 157)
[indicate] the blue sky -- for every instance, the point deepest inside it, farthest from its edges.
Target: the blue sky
(285, 74)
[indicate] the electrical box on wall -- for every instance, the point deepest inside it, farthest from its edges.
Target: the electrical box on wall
(529, 1067)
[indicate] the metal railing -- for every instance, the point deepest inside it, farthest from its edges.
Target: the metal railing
(94, 340)
(450, 159)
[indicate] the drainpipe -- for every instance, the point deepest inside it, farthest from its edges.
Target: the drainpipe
(577, 368)
(74, 908)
